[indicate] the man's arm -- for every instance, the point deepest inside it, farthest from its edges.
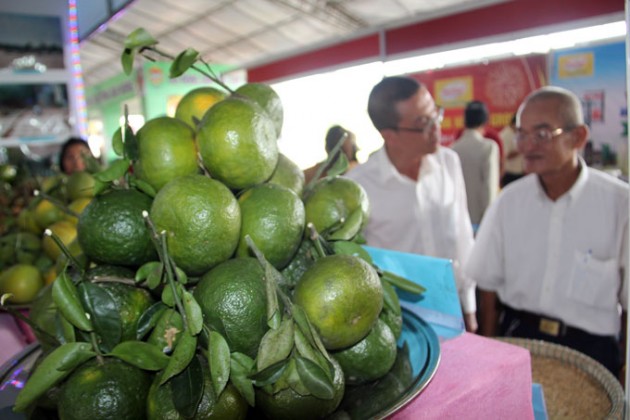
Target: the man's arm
(488, 313)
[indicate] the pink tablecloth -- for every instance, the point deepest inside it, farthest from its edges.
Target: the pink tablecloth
(12, 337)
(477, 378)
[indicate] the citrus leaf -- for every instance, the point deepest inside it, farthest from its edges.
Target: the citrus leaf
(351, 248)
(275, 345)
(126, 59)
(270, 374)
(219, 360)
(130, 143)
(100, 186)
(118, 139)
(141, 355)
(194, 317)
(339, 166)
(402, 283)
(145, 269)
(116, 170)
(241, 364)
(181, 276)
(314, 378)
(66, 297)
(47, 373)
(143, 186)
(350, 228)
(187, 389)
(390, 298)
(65, 330)
(300, 318)
(272, 279)
(183, 62)
(304, 348)
(182, 355)
(69, 363)
(240, 367)
(154, 278)
(167, 294)
(149, 319)
(139, 38)
(245, 387)
(104, 314)
(293, 378)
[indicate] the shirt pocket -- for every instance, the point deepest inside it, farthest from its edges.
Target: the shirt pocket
(594, 281)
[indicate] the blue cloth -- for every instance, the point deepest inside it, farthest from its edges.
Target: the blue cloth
(439, 305)
(538, 401)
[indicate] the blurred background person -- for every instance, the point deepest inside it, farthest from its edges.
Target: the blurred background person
(74, 156)
(513, 159)
(480, 162)
(335, 134)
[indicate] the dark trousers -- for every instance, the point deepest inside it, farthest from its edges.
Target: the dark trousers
(604, 349)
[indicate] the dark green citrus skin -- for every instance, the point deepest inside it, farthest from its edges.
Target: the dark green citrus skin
(112, 391)
(111, 229)
(342, 296)
(288, 404)
(273, 216)
(288, 174)
(166, 148)
(237, 143)
(229, 406)
(131, 302)
(233, 302)
(202, 220)
(268, 99)
(333, 200)
(370, 358)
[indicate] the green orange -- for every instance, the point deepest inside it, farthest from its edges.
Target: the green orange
(166, 150)
(202, 221)
(288, 174)
(23, 281)
(196, 103)
(268, 99)
(237, 143)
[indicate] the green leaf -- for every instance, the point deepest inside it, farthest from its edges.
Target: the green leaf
(139, 38)
(181, 276)
(275, 345)
(294, 381)
(309, 330)
(100, 186)
(241, 363)
(339, 166)
(71, 362)
(187, 389)
(194, 317)
(155, 276)
(118, 139)
(270, 374)
(183, 62)
(66, 297)
(149, 319)
(144, 270)
(351, 248)
(167, 294)
(240, 367)
(272, 278)
(47, 373)
(65, 330)
(402, 283)
(104, 314)
(130, 143)
(390, 298)
(350, 227)
(126, 59)
(314, 378)
(116, 170)
(141, 355)
(143, 186)
(304, 348)
(219, 360)
(182, 355)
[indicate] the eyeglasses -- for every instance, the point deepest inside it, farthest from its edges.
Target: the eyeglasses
(542, 135)
(426, 123)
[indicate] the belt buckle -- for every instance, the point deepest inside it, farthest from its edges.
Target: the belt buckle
(549, 327)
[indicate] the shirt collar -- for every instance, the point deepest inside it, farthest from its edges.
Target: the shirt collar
(577, 187)
(388, 171)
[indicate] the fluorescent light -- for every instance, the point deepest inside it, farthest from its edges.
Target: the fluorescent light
(534, 44)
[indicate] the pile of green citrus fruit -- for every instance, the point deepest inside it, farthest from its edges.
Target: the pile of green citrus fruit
(209, 281)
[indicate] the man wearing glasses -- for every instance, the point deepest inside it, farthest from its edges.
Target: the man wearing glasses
(416, 188)
(552, 248)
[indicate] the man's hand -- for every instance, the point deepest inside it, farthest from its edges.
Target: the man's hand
(471, 322)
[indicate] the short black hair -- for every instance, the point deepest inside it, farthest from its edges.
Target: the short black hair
(475, 114)
(384, 97)
(69, 143)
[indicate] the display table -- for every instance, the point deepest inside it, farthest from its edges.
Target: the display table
(477, 378)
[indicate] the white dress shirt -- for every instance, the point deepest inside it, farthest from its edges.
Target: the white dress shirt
(428, 217)
(562, 258)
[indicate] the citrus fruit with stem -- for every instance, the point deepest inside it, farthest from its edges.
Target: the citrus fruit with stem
(202, 221)
(268, 99)
(233, 301)
(370, 358)
(332, 201)
(273, 216)
(166, 150)
(194, 104)
(23, 281)
(288, 174)
(111, 389)
(65, 231)
(342, 296)
(237, 143)
(111, 229)
(288, 404)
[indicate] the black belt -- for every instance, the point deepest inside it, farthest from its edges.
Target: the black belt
(544, 324)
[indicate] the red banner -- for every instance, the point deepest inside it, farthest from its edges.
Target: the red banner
(501, 85)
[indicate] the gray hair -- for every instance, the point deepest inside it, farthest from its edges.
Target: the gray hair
(569, 105)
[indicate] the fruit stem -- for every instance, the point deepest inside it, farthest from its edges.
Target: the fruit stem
(94, 341)
(64, 249)
(169, 268)
(314, 237)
